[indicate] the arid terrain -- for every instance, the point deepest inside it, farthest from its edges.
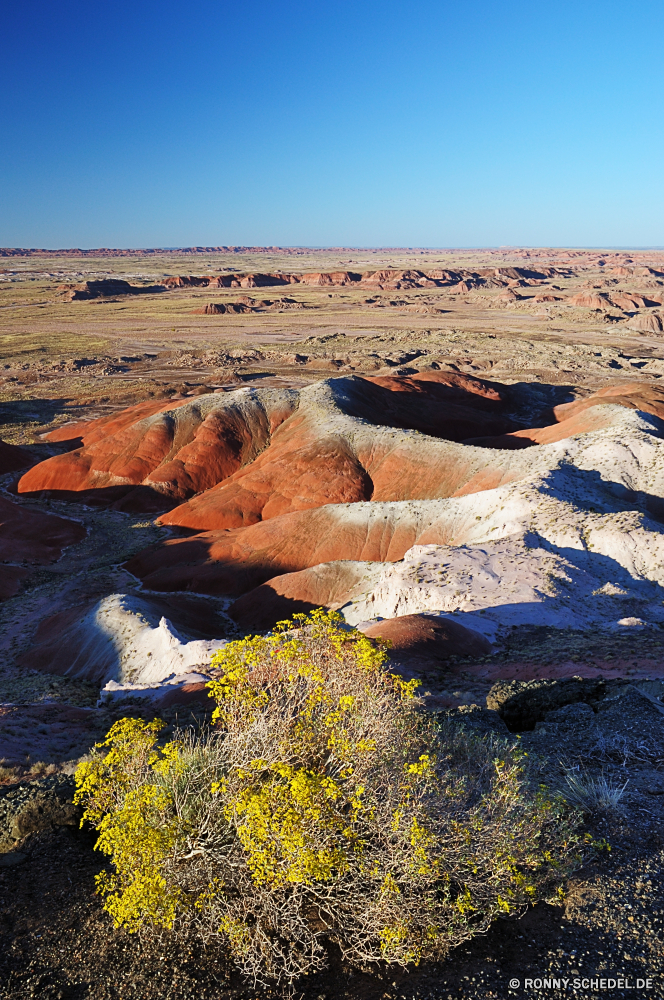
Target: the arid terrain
(462, 451)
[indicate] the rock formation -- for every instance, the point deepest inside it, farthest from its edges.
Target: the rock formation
(649, 322)
(154, 454)
(103, 288)
(124, 644)
(298, 497)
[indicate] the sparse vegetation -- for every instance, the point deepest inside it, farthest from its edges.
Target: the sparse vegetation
(593, 794)
(325, 809)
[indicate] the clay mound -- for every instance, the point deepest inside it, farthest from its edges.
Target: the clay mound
(582, 421)
(590, 300)
(333, 278)
(151, 457)
(328, 585)
(91, 431)
(629, 301)
(221, 308)
(426, 638)
(30, 536)
(186, 281)
(122, 638)
(649, 323)
(102, 288)
(12, 458)
(632, 395)
(439, 403)
(232, 562)
(264, 280)
(322, 455)
(299, 471)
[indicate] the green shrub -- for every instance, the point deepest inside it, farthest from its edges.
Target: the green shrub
(325, 807)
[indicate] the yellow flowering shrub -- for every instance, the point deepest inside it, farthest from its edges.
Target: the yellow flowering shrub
(324, 807)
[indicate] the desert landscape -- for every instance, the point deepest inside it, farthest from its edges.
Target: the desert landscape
(460, 451)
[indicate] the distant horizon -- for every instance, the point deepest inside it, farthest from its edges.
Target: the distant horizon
(235, 248)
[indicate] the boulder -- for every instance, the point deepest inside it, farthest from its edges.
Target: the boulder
(35, 806)
(521, 704)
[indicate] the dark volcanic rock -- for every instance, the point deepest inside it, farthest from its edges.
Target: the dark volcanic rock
(521, 704)
(34, 806)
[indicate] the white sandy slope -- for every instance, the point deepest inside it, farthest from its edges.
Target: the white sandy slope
(572, 546)
(133, 651)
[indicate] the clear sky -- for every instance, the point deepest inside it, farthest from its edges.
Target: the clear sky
(438, 123)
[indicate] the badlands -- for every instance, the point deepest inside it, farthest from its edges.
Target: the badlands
(461, 451)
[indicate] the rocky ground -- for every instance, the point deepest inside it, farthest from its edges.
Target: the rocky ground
(544, 331)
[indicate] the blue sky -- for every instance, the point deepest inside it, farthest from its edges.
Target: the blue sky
(358, 124)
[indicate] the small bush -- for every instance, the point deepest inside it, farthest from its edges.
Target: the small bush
(593, 795)
(325, 808)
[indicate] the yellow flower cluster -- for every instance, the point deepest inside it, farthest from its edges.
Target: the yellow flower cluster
(135, 822)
